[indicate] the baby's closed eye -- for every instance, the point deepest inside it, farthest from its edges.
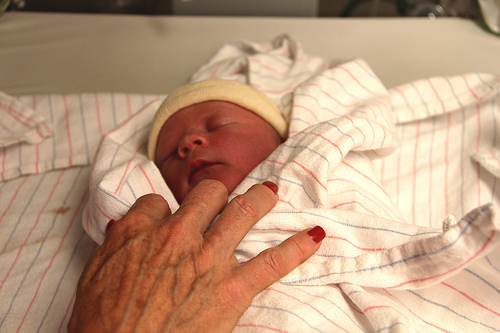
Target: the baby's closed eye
(219, 122)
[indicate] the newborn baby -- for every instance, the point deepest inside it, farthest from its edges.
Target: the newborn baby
(213, 129)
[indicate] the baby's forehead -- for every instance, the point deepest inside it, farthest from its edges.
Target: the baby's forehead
(209, 109)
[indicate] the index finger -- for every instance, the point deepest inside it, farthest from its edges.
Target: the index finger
(153, 205)
(148, 208)
(240, 216)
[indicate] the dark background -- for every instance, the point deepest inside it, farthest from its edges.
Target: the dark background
(326, 8)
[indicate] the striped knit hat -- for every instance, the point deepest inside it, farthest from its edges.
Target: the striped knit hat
(212, 90)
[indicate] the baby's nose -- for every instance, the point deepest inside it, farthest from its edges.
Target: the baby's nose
(190, 142)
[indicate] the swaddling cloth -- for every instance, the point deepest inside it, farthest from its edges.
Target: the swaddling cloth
(374, 271)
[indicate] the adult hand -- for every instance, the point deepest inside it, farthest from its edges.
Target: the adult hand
(158, 271)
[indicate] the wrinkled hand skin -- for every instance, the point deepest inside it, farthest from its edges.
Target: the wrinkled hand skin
(158, 272)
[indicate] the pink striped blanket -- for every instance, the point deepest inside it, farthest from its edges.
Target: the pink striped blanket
(404, 181)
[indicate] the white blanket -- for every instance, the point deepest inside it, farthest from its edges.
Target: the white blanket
(48, 143)
(395, 257)
(384, 172)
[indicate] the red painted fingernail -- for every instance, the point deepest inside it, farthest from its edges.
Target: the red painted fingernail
(317, 234)
(110, 224)
(272, 186)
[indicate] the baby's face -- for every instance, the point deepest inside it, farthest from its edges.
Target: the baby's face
(212, 140)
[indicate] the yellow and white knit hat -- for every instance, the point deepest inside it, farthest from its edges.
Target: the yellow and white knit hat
(212, 90)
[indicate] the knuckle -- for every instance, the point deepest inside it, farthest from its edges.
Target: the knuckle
(204, 193)
(236, 294)
(246, 206)
(150, 206)
(216, 240)
(275, 260)
(147, 198)
(129, 225)
(298, 247)
(207, 258)
(213, 187)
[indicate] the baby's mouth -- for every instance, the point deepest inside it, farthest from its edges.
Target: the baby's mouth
(199, 166)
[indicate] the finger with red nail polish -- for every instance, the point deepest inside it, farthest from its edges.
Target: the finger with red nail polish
(317, 234)
(272, 186)
(294, 250)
